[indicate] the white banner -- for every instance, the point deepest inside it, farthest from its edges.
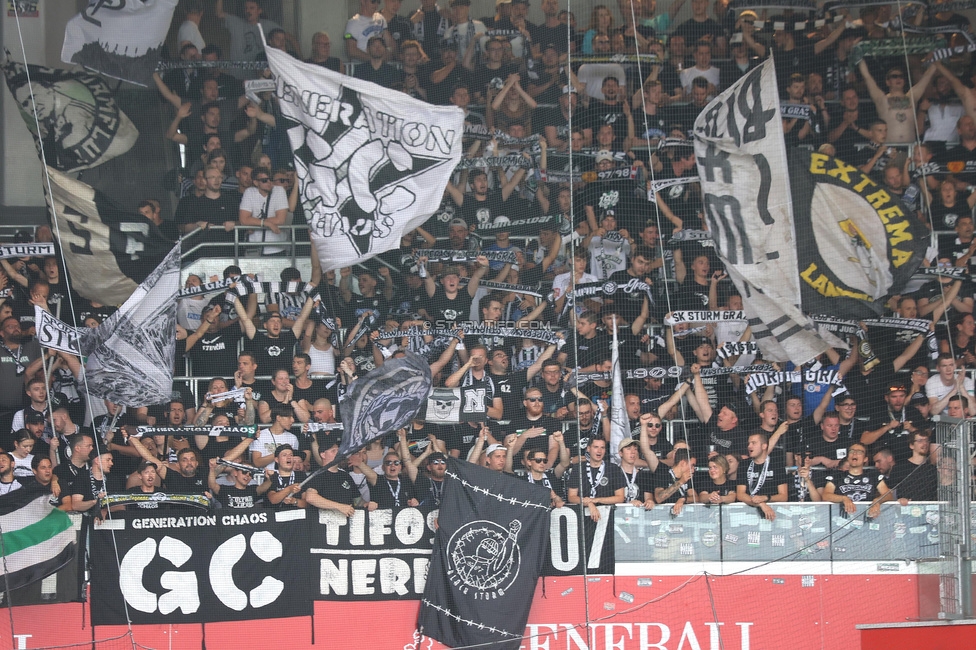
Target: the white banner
(743, 169)
(8, 251)
(122, 40)
(56, 334)
(372, 163)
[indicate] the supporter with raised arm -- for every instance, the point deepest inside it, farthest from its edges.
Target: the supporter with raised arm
(859, 484)
(765, 479)
(676, 485)
(211, 122)
(897, 107)
(246, 43)
(639, 488)
(240, 495)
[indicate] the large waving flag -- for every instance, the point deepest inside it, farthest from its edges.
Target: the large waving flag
(122, 40)
(372, 163)
(107, 250)
(36, 539)
(488, 554)
(131, 354)
(743, 169)
(383, 400)
(80, 124)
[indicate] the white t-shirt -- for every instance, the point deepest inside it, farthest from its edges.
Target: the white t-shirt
(935, 388)
(253, 202)
(190, 32)
(188, 313)
(690, 74)
(362, 28)
(267, 442)
(608, 254)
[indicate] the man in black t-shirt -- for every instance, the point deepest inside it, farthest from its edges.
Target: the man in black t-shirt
(859, 484)
(721, 431)
(829, 449)
(915, 479)
(449, 302)
(333, 488)
(391, 489)
(764, 479)
(612, 110)
(602, 482)
(481, 205)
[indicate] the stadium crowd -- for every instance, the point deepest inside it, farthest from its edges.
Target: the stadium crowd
(562, 120)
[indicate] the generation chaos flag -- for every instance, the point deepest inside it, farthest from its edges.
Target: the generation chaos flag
(122, 40)
(131, 354)
(80, 124)
(863, 244)
(38, 539)
(383, 400)
(742, 165)
(372, 164)
(619, 424)
(488, 553)
(107, 250)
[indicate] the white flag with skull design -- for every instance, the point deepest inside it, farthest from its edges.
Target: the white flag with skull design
(372, 163)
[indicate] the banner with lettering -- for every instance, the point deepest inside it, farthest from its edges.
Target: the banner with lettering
(742, 165)
(861, 243)
(372, 555)
(187, 567)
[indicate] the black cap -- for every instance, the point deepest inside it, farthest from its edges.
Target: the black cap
(284, 447)
(436, 456)
(34, 417)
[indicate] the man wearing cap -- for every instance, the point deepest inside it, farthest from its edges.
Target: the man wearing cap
(274, 348)
(555, 120)
(481, 205)
(37, 424)
(603, 483)
(364, 25)
(765, 479)
(720, 427)
(459, 236)
(894, 426)
(242, 495)
(376, 69)
(269, 440)
(465, 28)
(332, 488)
(640, 480)
(429, 486)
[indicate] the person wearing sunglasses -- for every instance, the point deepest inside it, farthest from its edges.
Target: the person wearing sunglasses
(535, 462)
(533, 429)
(392, 489)
(429, 485)
(897, 107)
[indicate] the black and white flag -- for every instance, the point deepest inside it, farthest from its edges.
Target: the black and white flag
(107, 250)
(131, 354)
(383, 400)
(372, 164)
(489, 551)
(80, 124)
(119, 39)
(743, 170)
(456, 405)
(862, 243)
(55, 334)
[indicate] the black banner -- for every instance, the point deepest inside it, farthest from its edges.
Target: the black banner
(378, 555)
(186, 567)
(877, 231)
(488, 555)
